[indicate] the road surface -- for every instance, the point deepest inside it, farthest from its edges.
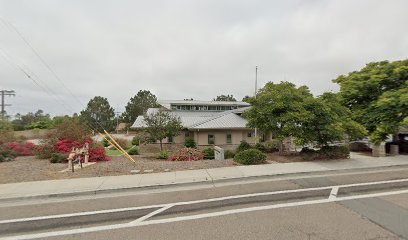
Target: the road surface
(363, 205)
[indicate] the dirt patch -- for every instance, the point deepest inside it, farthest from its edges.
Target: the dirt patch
(24, 169)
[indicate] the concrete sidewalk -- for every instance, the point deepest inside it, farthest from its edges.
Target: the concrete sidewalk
(83, 186)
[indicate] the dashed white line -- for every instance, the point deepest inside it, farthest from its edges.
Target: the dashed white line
(150, 215)
(162, 207)
(197, 201)
(194, 217)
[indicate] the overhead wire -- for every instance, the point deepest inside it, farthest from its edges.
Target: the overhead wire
(48, 90)
(42, 60)
(34, 78)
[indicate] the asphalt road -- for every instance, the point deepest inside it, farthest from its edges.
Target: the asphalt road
(366, 205)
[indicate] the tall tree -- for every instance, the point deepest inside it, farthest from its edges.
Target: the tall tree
(138, 105)
(99, 114)
(246, 99)
(289, 111)
(280, 109)
(225, 98)
(160, 125)
(328, 121)
(377, 97)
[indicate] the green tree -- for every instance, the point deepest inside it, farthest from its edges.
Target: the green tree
(246, 99)
(328, 121)
(225, 98)
(138, 105)
(289, 111)
(160, 125)
(6, 132)
(377, 97)
(99, 114)
(280, 109)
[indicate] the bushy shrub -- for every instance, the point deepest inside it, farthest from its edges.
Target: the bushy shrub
(261, 147)
(325, 152)
(97, 154)
(45, 148)
(208, 153)
(335, 152)
(273, 145)
(123, 143)
(187, 154)
(163, 155)
(21, 149)
(189, 143)
(57, 158)
(6, 155)
(307, 150)
(72, 129)
(6, 132)
(244, 145)
(136, 141)
(133, 151)
(250, 156)
(105, 142)
(359, 147)
(229, 154)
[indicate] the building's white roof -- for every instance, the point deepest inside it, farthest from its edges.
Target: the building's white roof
(167, 103)
(202, 119)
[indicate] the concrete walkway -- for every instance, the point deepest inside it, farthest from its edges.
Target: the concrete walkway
(81, 186)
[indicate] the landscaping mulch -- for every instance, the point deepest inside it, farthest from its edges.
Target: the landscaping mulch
(24, 169)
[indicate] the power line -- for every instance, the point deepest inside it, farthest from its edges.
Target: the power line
(42, 60)
(32, 76)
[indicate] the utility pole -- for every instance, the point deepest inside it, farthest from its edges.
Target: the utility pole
(256, 90)
(3, 105)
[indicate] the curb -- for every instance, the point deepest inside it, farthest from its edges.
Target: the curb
(282, 176)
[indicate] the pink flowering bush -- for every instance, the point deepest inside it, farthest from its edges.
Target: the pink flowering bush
(20, 149)
(187, 154)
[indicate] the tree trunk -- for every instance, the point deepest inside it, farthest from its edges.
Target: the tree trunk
(161, 145)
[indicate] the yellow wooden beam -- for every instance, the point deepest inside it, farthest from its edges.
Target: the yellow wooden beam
(118, 146)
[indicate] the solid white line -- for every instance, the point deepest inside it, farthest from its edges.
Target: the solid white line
(196, 201)
(141, 219)
(194, 217)
(79, 214)
(333, 193)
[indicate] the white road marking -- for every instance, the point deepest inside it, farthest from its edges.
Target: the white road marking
(198, 216)
(206, 184)
(141, 219)
(333, 193)
(196, 201)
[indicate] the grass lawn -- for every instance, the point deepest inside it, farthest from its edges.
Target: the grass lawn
(112, 153)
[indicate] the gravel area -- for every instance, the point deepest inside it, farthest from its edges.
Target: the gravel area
(24, 169)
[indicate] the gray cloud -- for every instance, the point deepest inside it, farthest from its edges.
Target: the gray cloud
(182, 49)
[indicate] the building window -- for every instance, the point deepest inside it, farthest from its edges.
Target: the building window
(169, 139)
(249, 134)
(187, 135)
(229, 138)
(211, 139)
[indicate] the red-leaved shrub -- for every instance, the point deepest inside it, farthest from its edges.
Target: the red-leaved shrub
(187, 154)
(65, 146)
(20, 149)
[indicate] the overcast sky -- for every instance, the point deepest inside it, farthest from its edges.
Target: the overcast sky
(187, 49)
